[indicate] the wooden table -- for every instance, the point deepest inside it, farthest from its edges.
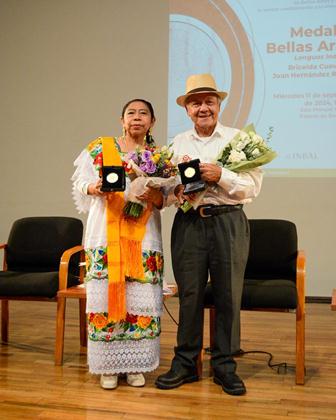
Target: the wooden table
(333, 300)
(75, 292)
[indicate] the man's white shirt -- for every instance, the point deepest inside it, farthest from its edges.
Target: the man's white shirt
(232, 188)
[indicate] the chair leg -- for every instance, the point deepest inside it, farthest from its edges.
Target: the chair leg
(60, 320)
(300, 348)
(212, 316)
(4, 320)
(199, 363)
(82, 325)
(200, 357)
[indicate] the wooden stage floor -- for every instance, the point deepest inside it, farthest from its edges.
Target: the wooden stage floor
(31, 387)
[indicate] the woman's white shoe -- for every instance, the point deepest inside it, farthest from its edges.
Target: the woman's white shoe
(135, 379)
(109, 381)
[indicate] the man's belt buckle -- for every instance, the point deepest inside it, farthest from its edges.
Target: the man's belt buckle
(202, 211)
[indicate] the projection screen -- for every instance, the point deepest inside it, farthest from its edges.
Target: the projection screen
(277, 60)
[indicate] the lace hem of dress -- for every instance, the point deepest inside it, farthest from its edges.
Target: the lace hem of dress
(133, 356)
(141, 298)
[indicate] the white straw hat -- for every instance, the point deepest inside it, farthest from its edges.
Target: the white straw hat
(200, 83)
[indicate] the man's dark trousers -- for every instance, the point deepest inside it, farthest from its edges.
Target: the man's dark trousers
(217, 246)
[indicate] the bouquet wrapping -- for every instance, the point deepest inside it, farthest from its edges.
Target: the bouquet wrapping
(247, 150)
(151, 167)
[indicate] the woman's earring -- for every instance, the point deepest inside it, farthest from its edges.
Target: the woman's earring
(124, 133)
(149, 138)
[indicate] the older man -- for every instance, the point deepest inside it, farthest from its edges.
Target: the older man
(212, 240)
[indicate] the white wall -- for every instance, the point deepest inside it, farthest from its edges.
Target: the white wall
(67, 67)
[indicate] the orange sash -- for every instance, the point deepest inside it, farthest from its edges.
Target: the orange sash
(124, 241)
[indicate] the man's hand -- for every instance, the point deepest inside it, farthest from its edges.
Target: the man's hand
(179, 190)
(210, 172)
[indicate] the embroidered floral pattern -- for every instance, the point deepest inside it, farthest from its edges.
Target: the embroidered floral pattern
(96, 265)
(95, 149)
(153, 266)
(134, 327)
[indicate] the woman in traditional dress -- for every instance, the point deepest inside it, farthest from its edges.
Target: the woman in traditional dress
(123, 257)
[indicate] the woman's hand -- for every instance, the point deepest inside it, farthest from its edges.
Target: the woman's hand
(152, 195)
(94, 189)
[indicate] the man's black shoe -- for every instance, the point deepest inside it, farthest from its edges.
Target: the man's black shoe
(231, 383)
(172, 379)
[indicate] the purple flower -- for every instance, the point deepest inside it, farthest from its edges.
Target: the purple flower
(133, 156)
(146, 156)
(148, 167)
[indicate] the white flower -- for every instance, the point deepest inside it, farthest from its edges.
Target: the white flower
(257, 139)
(241, 144)
(236, 156)
(244, 140)
(244, 136)
(256, 152)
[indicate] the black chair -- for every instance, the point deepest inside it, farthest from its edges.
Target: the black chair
(41, 257)
(274, 279)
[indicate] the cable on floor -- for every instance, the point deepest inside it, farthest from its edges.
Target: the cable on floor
(170, 315)
(281, 367)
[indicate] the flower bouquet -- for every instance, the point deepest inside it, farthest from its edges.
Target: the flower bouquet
(247, 150)
(151, 167)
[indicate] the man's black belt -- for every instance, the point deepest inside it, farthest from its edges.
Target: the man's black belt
(209, 210)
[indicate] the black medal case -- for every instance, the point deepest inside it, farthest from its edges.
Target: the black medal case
(113, 178)
(191, 176)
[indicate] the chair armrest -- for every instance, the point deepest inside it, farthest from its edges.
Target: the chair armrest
(64, 266)
(301, 280)
(4, 247)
